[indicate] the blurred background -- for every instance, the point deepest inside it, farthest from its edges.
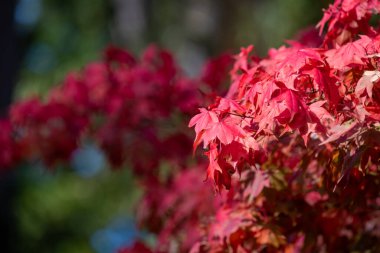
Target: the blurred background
(89, 208)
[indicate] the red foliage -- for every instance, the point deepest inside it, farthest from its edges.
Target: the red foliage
(136, 112)
(313, 113)
(295, 140)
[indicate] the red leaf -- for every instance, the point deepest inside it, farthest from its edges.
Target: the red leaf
(338, 131)
(230, 105)
(292, 106)
(314, 197)
(348, 54)
(203, 120)
(326, 83)
(226, 131)
(213, 166)
(319, 111)
(254, 189)
(366, 82)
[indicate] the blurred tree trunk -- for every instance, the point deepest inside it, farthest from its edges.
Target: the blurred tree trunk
(226, 34)
(9, 57)
(9, 62)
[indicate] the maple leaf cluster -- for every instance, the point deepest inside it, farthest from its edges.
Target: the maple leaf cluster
(296, 141)
(135, 111)
(121, 103)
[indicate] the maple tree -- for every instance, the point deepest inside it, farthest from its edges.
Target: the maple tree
(296, 139)
(292, 147)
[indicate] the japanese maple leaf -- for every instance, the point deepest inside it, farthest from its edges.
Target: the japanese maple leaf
(326, 82)
(234, 151)
(348, 5)
(339, 131)
(241, 62)
(203, 120)
(213, 166)
(287, 77)
(330, 13)
(293, 106)
(320, 120)
(228, 221)
(245, 79)
(266, 120)
(227, 104)
(225, 130)
(361, 113)
(366, 82)
(257, 185)
(270, 89)
(350, 53)
(255, 95)
(361, 7)
(298, 59)
(319, 111)
(250, 143)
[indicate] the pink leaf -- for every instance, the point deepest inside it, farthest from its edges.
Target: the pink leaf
(254, 189)
(314, 197)
(203, 120)
(225, 130)
(366, 82)
(350, 53)
(213, 166)
(339, 131)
